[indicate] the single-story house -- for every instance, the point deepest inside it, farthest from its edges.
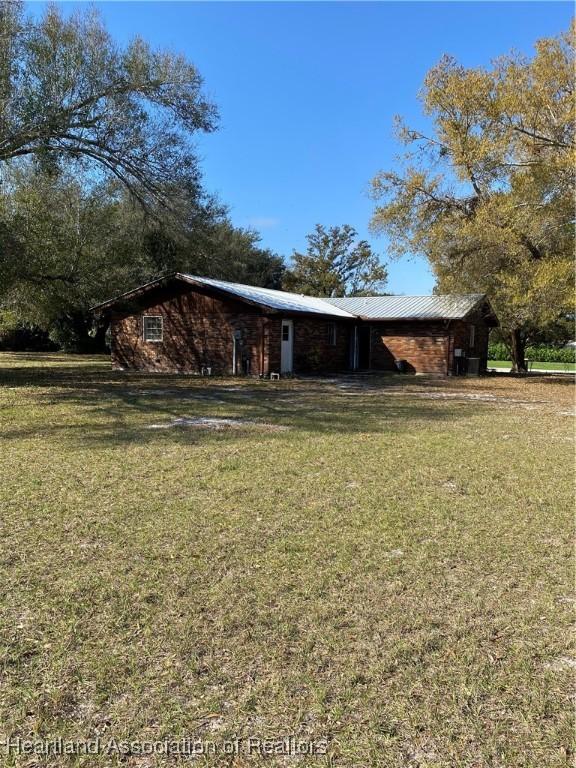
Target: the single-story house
(188, 324)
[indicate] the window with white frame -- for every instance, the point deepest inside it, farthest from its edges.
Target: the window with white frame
(332, 334)
(152, 328)
(472, 336)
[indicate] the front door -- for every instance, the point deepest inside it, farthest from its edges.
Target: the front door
(286, 346)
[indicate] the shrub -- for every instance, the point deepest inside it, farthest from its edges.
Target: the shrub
(498, 351)
(17, 336)
(540, 353)
(551, 354)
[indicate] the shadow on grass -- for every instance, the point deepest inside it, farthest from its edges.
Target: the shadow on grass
(118, 408)
(111, 408)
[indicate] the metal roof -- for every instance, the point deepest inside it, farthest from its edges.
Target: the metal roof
(409, 307)
(367, 307)
(282, 300)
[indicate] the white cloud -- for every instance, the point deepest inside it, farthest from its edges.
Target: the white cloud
(263, 222)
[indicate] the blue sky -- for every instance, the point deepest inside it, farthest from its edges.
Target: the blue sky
(307, 93)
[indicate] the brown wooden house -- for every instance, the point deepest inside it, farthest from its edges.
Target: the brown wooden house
(197, 325)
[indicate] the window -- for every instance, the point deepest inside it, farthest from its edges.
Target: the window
(285, 332)
(332, 334)
(472, 336)
(152, 328)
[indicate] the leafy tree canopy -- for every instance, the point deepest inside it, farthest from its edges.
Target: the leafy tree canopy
(69, 93)
(66, 247)
(336, 263)
(487, 194)
(101, 189)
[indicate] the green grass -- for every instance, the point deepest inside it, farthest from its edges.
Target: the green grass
(391, 573)
(535, 366)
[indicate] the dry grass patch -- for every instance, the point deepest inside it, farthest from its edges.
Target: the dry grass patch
(393, 573)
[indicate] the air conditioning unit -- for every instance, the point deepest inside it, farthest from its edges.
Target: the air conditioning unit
(473, 366)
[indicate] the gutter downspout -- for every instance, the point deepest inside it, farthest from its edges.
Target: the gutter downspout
(263, 325)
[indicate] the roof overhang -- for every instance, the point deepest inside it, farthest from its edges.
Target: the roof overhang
(483, 304)
(487, 311)
(127, 302)
(124, 299)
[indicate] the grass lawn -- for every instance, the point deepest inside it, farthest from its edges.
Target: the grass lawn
(535, 366)
(385, 565)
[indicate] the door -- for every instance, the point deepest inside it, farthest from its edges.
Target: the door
(286, 346)
(364, 347)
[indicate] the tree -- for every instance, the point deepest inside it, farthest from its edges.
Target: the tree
(101, 187)
(487, 196)
(225, 252)
(335, 264)
(66, 247)
(67, 92)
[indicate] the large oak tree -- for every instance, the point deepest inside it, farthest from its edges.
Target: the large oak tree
(66, 247)
(68, 92)
(487, 194)
(100, 184)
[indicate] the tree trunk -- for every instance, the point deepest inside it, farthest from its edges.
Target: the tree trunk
(100, 336)
(517, 350)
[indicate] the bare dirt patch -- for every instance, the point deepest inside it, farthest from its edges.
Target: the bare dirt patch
(562, 664)
(207, 422)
